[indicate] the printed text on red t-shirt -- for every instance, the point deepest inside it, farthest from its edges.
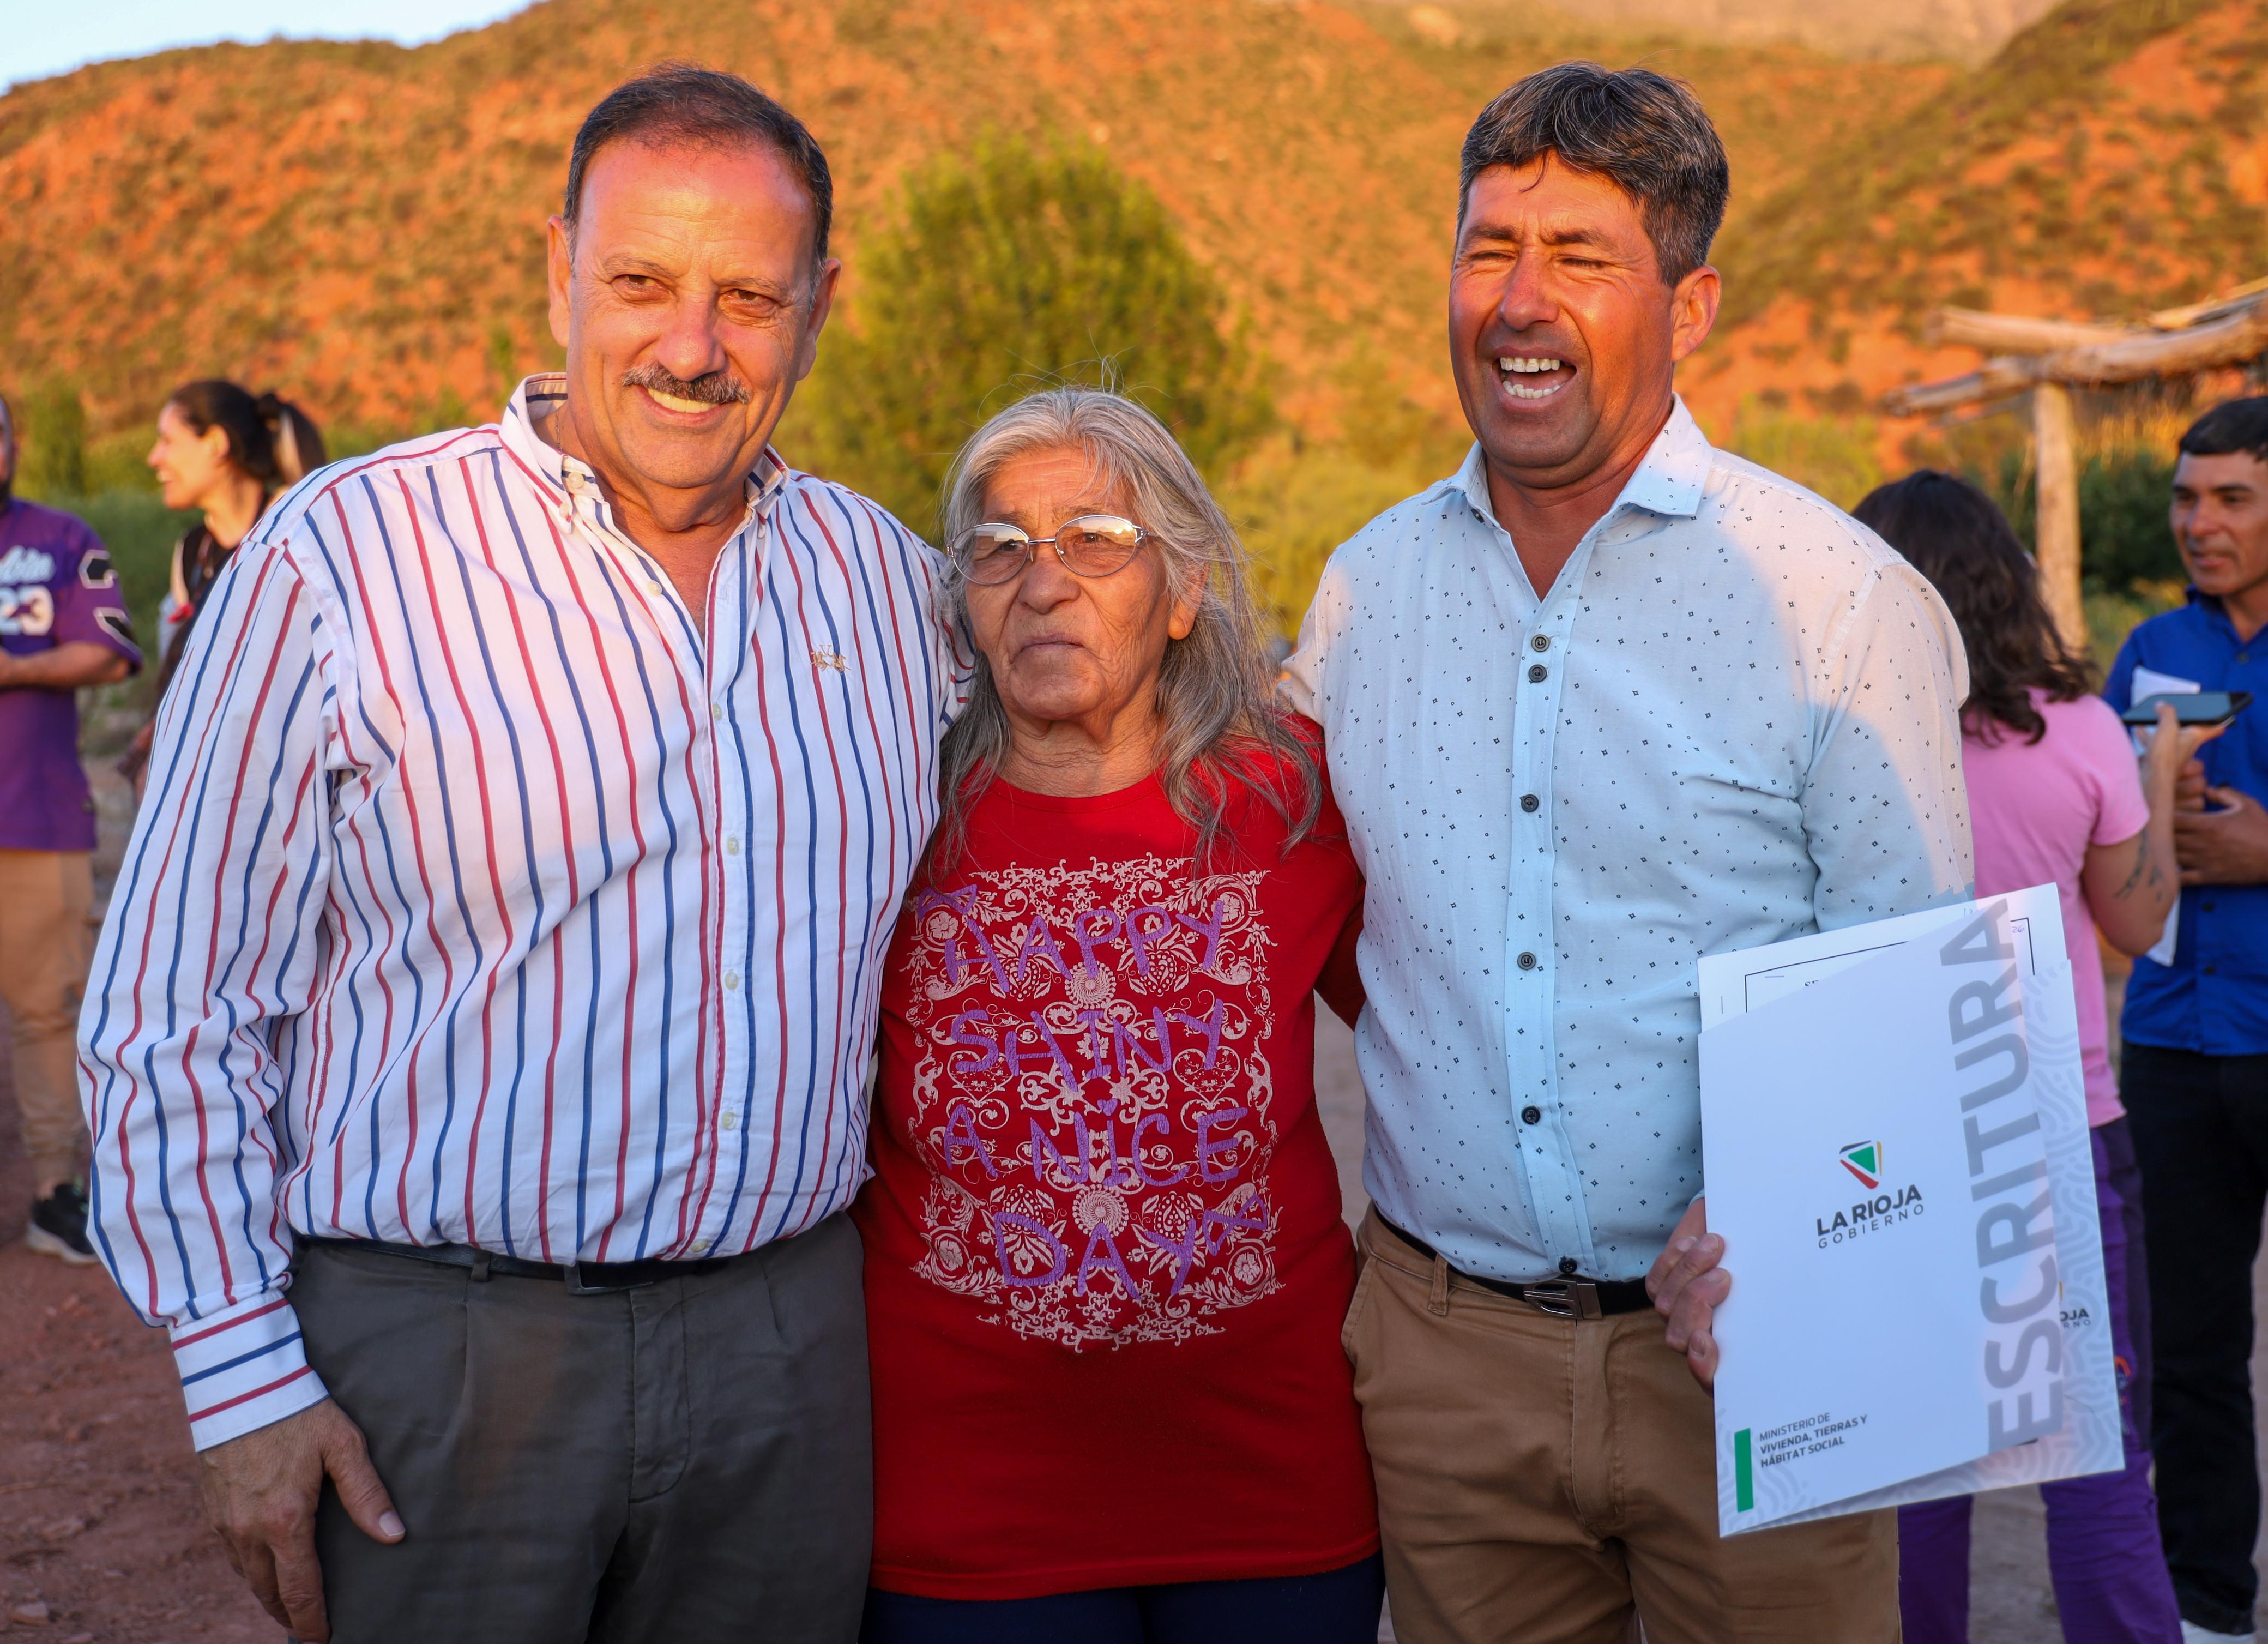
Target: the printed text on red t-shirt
(1090, 1092)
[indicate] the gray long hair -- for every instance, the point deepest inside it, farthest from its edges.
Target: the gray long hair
(1216, 689)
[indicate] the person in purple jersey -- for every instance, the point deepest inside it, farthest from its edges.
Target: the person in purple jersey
(62, 626)
(478, 1039)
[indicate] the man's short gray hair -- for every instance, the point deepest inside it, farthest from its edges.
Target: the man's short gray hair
(1217, 688)
(1644, 132)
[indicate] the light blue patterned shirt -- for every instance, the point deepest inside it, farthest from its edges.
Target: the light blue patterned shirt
(1733, 720)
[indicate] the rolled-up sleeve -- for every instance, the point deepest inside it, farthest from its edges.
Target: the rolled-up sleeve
(211, 945)
(1885, 807)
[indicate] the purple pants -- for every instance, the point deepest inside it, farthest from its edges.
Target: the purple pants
(2104, 1553)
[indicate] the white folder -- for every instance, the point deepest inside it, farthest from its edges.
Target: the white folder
(1895, 1150)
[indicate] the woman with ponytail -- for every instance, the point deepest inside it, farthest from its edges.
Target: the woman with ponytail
(228, 454)
(2054, 794)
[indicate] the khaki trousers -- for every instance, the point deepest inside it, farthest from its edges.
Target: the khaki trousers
(45, 946)
(1539, 1479)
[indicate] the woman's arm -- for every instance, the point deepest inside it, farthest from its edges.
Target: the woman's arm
(1340, 983)
(2132, 885)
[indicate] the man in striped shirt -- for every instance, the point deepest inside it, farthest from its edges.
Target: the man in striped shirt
(476, 1054)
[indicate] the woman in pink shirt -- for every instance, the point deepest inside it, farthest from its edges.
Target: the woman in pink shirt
(2054, 794)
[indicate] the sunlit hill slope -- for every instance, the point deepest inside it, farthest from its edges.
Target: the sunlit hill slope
(361, 224)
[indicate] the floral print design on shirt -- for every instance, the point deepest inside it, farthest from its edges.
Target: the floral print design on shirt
(1091, 1100)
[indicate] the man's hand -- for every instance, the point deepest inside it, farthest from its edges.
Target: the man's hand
(1687, 1286)
(2190, 785)
(2229, 846)
(261, 1492)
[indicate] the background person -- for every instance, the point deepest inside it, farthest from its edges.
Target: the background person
(2195, 1032)
(227, 454)
(528, 827)
(1603, 702)
(2053, 795)
(63, 627)
(1105, 1262)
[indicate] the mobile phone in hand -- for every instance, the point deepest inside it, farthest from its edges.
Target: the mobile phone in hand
(2196, 707)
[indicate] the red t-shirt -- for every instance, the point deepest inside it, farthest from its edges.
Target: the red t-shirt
(1128, 1370)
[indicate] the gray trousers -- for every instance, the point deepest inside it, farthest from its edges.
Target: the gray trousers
(688, 1462)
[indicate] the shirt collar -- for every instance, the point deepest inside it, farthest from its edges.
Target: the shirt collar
(1669, 482)
(543, 396)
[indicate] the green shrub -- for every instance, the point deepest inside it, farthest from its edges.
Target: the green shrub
(51, 436)
(2110, 617)
(1014, 269)
(1834, 456)
(1292, 504)
(2125, 543)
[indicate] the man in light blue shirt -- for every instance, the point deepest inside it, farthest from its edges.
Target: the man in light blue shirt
(1605, 701)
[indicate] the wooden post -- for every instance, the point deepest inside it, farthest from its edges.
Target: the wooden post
(2055, 459)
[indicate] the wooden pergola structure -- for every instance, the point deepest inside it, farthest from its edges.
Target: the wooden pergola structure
(2050, 358)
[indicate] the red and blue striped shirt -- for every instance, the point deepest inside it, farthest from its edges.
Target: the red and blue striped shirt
(478, 898)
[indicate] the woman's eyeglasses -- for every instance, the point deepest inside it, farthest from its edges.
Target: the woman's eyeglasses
(1093, 545)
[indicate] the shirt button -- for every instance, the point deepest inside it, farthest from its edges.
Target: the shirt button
(1529, 802)
(1537, 673)
(653, 588)
(732, 981)
(1540, 642)
(2211, 970)
(1567, 1265)
(1531, 1116)
(732, 1121)
(1525, 961)
(732, 845)
(2205, 907)
(716, 709)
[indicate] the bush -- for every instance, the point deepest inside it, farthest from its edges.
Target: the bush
(1016, 268)
(2124, 541)
(1293, 506)
(51, 431)
(1834, 458)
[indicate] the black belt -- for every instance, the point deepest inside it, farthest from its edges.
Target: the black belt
(1561, 1298)
(582, 1279)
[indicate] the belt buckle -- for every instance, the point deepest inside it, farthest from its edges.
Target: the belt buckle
(1565, 1298)
(577, 1287)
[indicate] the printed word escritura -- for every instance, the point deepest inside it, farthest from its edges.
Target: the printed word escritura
(2007, 1159)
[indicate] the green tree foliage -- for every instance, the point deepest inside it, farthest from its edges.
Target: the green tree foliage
(2124, 541)
(1017, 268)
(2129, 568)
(1833, 456)
(51, 434)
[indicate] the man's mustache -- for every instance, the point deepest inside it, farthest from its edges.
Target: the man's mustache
(716, 387)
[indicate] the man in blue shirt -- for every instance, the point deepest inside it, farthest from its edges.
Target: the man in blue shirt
(2195, 1068)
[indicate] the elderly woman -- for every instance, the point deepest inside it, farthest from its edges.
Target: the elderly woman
(1105, 1273)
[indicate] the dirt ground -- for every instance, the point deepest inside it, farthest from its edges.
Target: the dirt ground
(98, 1513)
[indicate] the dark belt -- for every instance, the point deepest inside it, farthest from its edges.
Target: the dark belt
(582, 1279)
(1561, 1298)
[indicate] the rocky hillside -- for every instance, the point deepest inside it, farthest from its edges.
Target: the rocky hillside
(360, 224)
(2111, 159)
